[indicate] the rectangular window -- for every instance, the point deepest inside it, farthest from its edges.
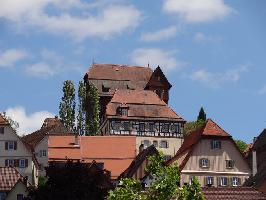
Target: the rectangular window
(11, 163)
(126, 126)
(22, 163)
(236, 181)
(155, 143)
(163, 144)
(124, 111)
(116, 125)
(216, 144)
(141, 126)
(11, 145)
(19, 196)
(204, 163)
(2, 130)
(44, 153)
(223, 181)
(151, 127)
(165, 128)
(210, 181)
(174, 128)
(146, 143)
(230, 164)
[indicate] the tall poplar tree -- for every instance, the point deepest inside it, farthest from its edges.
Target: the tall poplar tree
(92, 109)
(81, 117)
(67, 105)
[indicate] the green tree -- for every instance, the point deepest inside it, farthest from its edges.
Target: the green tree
(241, 145)
(202, 115)
(92, 110)
(191, 191)
(192, 126)
(163, 187)
(67, 105)
(81, 117)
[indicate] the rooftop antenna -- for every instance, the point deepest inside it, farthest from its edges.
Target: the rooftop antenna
(148, 64)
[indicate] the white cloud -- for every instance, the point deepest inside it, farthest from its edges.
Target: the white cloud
(109, 20)
(28, 123)
(155, 57)
(262, 90)
(41, 70)
(216, 80)
(161, 34)
(197, 11)
(10, 57)
(202, 38)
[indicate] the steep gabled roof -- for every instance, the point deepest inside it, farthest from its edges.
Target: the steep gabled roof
(210, 129)
(141, 104)
(259, 178)
(232, 193)
(9, 176)
(137, 162)
(49, 127)
(158, 71)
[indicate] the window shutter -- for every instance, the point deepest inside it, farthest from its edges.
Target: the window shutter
(230, 181)
(16, 163)
(208, 163)
(239, 181)
(212, 144)
(15, 145)
(6, 162)
(200, 162)
(218, 181)
(6, 145)
(205, 181)
(26, 162)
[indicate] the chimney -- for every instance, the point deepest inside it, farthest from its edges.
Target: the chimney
(141, 148)
(254, 159)
(76, 140)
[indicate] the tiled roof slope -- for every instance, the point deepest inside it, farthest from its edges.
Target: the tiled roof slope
(232, 193)
(49, 127)
(9, 176)
(116, 152)
(3, 121)
(210, 129)
(141, 104)
(119, 72)
(140, 158)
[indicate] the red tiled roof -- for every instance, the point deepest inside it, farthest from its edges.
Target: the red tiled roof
(120, 72)
(141, 104)
(232, 193)
(9, 176)
(3, 120)
(50, 126)
(116, 152)
(209, 129)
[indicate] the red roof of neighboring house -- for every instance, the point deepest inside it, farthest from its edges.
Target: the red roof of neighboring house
(116, 152)
(141, 104)
(210, 129)
(9, 176)
(232, 193)
(3, 120)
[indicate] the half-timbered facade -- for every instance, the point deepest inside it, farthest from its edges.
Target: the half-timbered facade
(143, 114)
(110, 77)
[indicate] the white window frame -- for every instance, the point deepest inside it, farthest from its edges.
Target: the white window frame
(215, 144)
(232, 164)
(11, 163)
(205, 163)
(222, 181)
(235, 181)
(210, 180)
(11, 145)
(22, 163)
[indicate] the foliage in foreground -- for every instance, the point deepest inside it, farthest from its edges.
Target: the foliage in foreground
(163, 187)
(241, 145)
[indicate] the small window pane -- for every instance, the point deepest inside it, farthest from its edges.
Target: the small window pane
(223, 181)
(235, 181)
(165, 128)
(155, 143)
(22, 163)
(210, 180)
(230, 164)
(2, 130)
(141, 127)
(163, 144)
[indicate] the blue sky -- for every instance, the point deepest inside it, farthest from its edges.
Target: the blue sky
(212, 51)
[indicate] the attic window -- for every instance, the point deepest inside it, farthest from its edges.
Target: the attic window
(105, 87)
(215, 144)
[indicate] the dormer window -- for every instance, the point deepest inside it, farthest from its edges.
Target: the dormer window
(124, 111)
(216, 144)
(105, 87)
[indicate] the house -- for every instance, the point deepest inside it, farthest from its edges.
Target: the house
(210, 154)
(113, 153)
(110, 77)
(39, 140)
(256, 157)
(143, 114)
(16, 153)
(13, 186)
(232, 193)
